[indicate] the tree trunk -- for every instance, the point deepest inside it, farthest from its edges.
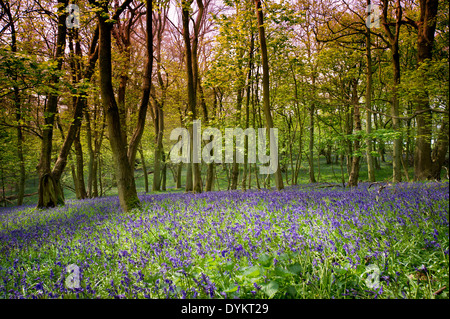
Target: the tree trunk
(247, 112)
(158, 147)
(398, 143)
(17, 106)
(91, 162)
(125, 182)
(354, 173)
(209, 183)
(312, 178)
(124, 157)
(370, 164)
(50, 190)
(440, 150)
(164, 172)
(80, 167)
(50, 194)
(100, 177)
(424, 168)
(349, 114)
(235, 166)
(395, 58)
(144, 169)
(98, 139)
(20, 139)
(179, 171)
(196, 177)
(266, 87)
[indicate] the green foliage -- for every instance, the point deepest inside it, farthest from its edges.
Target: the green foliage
(27, 72)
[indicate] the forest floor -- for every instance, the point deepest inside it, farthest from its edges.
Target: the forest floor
(372, 241)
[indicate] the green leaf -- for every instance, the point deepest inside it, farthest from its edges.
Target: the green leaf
(231, 289)
(283, 257)
(265, 260)
(292, 291)
(252, 272)
(295, 268)
(280, 271)
(270, 289)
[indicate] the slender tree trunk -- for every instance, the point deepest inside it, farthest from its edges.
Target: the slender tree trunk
(247, 112)
(80, 167)
(440, 150)
(312, 179)
(196, 177)
(354, 173)
(318, 155)
(235, 166)
(300, 123)
(164, 172)
(100, 177)
(94, 189)
(398, 143)
(395, 58)
(266, 87)
(179, 171)
(144, 169)
(158, 148)
(20, 139)
(121, 99)
(158, 106)
(349, 131)
(370, 164)
(91, 162)
(17, 106)
(255, 116)
(75, 181)
(98, 139)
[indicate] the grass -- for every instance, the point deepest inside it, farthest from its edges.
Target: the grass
(303, 242)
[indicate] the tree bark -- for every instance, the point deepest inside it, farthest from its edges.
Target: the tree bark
(424, 166)
(144, 169)
(235, 165)
(312, 178)
(18, 109)
(90, 148)
(50, 194)
(157, 111)
(354, 173)
(50, 190)
(125, 182)
(80, 167)
(370, 164)
(266, 86)
(247, 111)
(124, 157)
(395, 58)
(196, 177)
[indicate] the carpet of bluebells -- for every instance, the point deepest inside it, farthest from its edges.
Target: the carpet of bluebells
(302, 242)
